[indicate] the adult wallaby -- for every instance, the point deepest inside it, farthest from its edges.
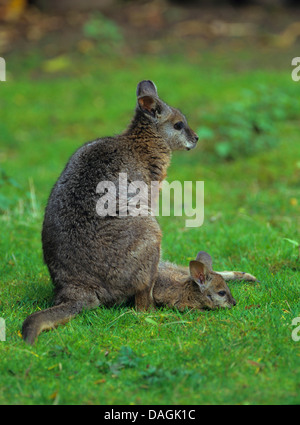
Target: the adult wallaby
(198, 287)
(106, 260)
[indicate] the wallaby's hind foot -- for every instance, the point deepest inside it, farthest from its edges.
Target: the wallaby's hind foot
(226, 275)
(144, 300)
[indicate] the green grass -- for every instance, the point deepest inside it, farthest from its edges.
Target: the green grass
(117, 356)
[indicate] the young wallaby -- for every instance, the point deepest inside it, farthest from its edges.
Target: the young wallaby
(198, 288)
(108, 259)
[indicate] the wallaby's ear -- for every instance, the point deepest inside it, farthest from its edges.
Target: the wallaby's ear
(147, 104)
(147, 97)
(205, 258)
(197, 271)
(146, 88)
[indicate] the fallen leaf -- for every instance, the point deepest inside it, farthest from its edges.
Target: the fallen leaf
(259, 366)
(252, 306)
(53, 395)
(100, 381)
(253, 363)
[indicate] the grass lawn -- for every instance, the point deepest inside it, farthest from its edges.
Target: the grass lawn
(245, 355)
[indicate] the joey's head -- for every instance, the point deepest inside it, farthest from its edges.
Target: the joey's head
(167, 122)
(213, 290)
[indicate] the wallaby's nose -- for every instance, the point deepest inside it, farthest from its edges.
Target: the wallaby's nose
(196, 138)
(233, 302)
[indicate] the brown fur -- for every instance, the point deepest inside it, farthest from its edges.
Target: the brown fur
(107, 260)
(198, 287)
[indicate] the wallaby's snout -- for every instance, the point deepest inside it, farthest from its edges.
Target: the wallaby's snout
(193, 140)
(219, 292)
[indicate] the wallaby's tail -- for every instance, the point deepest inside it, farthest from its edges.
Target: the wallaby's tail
(49, 318)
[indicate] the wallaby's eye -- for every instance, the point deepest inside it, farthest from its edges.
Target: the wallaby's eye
(221, 293)
(179, 125)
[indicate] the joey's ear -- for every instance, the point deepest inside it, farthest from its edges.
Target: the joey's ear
(146, 88)
(205, 258)
(197, 271)
(149, 105)
(147, 97)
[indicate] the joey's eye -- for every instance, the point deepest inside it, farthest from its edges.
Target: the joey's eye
(179, 125)
(221, 293)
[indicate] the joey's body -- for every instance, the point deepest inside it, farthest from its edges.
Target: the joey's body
(172, 287)
(197, 287)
